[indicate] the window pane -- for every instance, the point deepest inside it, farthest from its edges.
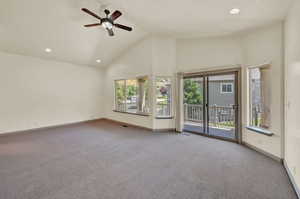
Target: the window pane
(143, 95)
(193, 91)
(229, 88)
(131, 95)
(224, 88)
(120, 95)
(259, 98)
(163, 97)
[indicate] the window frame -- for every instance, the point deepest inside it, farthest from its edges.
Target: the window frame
(250, 126)
(170, 116)
(226, 83)
(125, 86)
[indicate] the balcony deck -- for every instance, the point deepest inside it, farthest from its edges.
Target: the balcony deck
(213, 131)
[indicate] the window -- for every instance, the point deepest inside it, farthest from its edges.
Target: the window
(143, 95)
(259, 93)
(163, 97)
(120, 97)
(226, 87)
(132, 96)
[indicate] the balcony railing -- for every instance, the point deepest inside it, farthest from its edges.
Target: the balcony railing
(219, 116)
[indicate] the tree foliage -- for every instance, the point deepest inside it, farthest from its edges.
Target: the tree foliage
(131, 91)
(123, 93)
(193, 92)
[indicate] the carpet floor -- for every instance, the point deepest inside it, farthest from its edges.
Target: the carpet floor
(102, 160)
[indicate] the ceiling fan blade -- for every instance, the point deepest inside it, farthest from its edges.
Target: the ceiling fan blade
(91, 25)
(90, 13)
(115, 15)
(123, 27)
(110, 32)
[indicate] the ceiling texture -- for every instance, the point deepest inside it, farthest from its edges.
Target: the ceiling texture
(28, 27)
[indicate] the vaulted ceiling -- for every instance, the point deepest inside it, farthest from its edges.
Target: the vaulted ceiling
(28, 27)
(196, 18)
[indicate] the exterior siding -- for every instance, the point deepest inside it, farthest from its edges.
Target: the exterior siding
(216, 97)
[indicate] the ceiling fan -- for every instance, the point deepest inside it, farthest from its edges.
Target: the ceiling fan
(108, 22)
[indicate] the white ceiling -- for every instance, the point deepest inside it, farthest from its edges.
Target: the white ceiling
(28, 27)
(196, 18)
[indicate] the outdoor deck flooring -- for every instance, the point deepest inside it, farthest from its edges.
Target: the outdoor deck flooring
(219, 132)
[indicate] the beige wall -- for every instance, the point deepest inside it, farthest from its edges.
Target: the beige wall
(137, 61)
(266, 46)
(251, 48)
(159, 56)
(153, 56)
(164, 64)
(195, 54)
(166, 56)
(38, 93)
(292, 100)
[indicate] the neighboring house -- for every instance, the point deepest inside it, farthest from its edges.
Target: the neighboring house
(221, 90)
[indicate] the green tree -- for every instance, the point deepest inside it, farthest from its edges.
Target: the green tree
(120, 92)
(193, 92)
(131, 91)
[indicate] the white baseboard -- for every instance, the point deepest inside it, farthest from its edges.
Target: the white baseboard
(296, 188)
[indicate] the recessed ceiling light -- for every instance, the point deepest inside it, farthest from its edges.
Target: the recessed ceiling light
(48, 50)
(235, 11)
(98, 61)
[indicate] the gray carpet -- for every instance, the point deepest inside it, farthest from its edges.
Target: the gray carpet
(101, 160)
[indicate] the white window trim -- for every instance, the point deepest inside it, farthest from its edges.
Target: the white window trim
(227, 83)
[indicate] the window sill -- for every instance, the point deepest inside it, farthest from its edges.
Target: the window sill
(164, 118)
(259, 130)
(140, 114)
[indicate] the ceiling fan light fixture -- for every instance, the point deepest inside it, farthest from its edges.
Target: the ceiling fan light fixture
(108, 22)
(98, 61)
(107, 25)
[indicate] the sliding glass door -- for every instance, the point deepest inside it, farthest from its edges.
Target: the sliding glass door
(210, 105)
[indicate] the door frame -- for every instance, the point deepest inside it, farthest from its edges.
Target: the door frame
(238, 97)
